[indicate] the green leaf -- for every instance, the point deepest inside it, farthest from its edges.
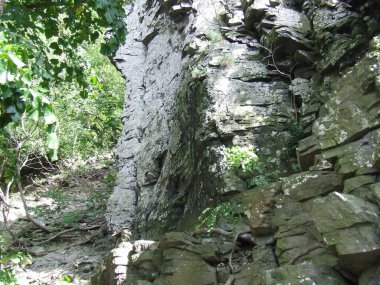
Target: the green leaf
(94, 79)
(5, 92)
(52, 141)
(49, 117)
(94, 36)
(58, 51)
(105, 49)
(16, 60)
(83, 94)
(35, 115)
(6, 76)
(53, 154)
(54, 61)
(35, 93)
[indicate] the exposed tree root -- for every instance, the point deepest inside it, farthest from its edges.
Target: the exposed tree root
(238, 234)
(28, 215)
(69, 230)
(230, 280)
(222, 232)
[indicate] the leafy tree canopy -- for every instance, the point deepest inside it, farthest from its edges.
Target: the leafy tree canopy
(39, 41)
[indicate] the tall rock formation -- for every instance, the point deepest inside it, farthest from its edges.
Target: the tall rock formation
(205, 75)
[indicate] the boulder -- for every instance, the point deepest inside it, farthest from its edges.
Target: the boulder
(260, 203)
(183, 267)
(305, 273)
(350, 224)
(306, 185)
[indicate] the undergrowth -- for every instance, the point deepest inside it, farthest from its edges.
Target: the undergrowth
(227, 213)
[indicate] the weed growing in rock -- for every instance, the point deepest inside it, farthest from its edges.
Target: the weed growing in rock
(110, 177)
(213, 36)
(243, 158)
(198, 73)
(245, 162)
(226, 60)
(228, 213)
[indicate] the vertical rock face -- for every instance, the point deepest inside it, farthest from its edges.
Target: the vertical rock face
(190, 92)
(204, 75)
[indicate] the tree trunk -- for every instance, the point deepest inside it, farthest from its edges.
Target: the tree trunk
(22, 195)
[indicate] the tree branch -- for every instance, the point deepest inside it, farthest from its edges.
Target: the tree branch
(69, 230)
(22, 195)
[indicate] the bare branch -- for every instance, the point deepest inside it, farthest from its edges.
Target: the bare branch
(69, 230)
(22, 195)
(238, 234)
(230, 280)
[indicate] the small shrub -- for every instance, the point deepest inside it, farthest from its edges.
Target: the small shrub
(110, 177)
(243, 158)
(11, 261)
(60, 199)
(213, 36)
(70, 218)
(198, 73)
(225, 213)
(226, 60)
(245, 161)
(296, 130)
(296, 167)
(263, 178)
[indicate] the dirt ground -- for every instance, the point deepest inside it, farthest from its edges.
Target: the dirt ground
(72, 204)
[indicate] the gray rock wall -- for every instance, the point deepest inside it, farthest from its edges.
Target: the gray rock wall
(190, 93)
(280, 74)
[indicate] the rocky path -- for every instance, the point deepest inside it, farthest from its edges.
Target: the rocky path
(72, 204)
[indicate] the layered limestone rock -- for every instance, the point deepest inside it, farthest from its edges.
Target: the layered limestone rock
(190, 93)
(205, 75)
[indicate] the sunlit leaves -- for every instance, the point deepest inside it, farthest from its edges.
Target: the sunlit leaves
(39, 43)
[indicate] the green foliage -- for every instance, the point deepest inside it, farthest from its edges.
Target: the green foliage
(243, 158)
(224, 213)
(110, 177)
(213, 36)
(90, 126)
(59, 200)
(198, 72)
(263, 177)
(296, 131)
(9, 263)
(66, 279)
(227, 60)
(295, 167)
(40, 42)
(70, 219)
(87, 126)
